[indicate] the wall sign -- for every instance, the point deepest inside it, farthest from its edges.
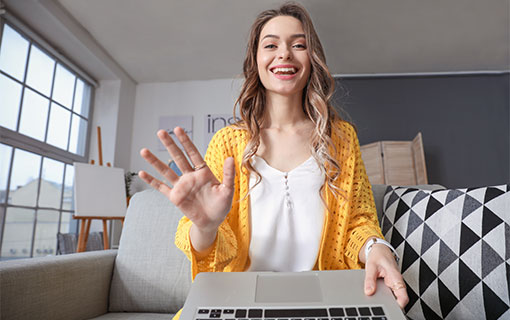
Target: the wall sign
(168, 123)
(213, 123)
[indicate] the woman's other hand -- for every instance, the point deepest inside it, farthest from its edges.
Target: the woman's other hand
(197, 193)
(381, 264)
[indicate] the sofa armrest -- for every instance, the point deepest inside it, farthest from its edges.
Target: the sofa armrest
(73, 286)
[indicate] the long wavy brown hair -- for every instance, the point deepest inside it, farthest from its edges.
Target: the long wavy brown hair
(317, 96)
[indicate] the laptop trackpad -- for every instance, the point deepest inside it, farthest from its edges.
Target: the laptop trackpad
(288, 288)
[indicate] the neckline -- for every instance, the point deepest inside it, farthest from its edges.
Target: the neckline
(264, 162)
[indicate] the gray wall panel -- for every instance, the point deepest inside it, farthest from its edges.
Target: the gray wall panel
(464, 120)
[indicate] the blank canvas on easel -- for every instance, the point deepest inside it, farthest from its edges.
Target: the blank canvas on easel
(99, 191)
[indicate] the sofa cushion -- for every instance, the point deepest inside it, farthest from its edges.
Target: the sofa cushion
(455, 250)
(150, 274)
(378, 190)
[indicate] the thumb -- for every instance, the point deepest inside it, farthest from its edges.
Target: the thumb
(370, 278)
(229, 172)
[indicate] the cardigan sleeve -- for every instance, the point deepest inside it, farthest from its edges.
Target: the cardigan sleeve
(363, 222)
(225, 244)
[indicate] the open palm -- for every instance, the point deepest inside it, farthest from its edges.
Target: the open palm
(197, 193)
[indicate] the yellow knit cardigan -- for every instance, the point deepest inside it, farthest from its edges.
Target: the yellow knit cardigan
(349, 221)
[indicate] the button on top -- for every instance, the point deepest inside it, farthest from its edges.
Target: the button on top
(287, 193)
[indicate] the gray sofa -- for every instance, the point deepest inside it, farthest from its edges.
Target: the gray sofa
(146, 278)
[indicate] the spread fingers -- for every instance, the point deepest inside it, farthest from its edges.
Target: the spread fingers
(155, 183)
(175, 152)
(159, 165)
(189, 147)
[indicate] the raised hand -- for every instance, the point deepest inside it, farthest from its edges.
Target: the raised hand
(197, 193)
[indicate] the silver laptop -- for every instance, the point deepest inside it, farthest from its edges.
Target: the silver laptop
(313, 295)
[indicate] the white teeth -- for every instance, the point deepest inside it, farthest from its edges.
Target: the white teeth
(284, 70)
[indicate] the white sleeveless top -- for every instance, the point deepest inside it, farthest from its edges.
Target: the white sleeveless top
(287, 217)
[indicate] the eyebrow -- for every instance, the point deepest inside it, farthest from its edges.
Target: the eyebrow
(298, 35)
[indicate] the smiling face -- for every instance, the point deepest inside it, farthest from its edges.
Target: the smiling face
(283, 62)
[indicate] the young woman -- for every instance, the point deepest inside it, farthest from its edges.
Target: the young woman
(285, 189)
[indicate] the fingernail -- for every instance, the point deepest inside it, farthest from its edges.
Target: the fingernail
(369, 289)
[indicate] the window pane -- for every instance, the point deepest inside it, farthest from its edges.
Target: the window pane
(13, 53)
(52, 177)
(17, 238)
(10, 94)
(68, 188)
(63, 87)
(40, 71)
(68, 224)
(82, 99)
(58, 130)
(34, 114)
(5, 162)
(78, 135)
(24, 178)
(46, 231)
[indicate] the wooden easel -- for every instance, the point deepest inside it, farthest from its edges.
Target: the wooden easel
(86, 221)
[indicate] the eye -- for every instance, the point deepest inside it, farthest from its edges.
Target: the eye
(270, 46)
(300, 46)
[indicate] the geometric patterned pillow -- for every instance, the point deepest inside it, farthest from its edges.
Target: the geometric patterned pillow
(455, 250)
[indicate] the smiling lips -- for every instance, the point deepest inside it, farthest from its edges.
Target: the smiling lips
(284, 72)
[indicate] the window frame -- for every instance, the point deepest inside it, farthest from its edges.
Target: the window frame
(17, 140)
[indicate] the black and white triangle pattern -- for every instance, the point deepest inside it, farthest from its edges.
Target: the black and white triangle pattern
(455, 250)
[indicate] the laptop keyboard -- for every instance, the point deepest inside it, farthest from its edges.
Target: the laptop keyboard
(344, 313)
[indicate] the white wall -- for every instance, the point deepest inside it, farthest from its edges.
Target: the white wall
(195, 98)
(113, 111)
(106, 108)
(124, 129)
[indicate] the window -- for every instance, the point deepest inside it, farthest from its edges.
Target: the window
(44, 124)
